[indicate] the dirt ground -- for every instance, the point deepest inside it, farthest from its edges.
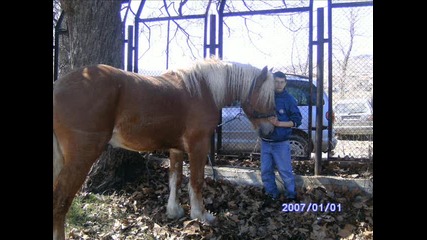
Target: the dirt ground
(137, 210)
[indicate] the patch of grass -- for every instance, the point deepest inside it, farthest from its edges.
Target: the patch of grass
(76, 215)
(93, 214)
(83, 209)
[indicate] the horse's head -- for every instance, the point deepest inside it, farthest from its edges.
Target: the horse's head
(259, 105)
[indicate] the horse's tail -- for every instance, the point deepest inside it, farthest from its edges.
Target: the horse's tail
(58, 157)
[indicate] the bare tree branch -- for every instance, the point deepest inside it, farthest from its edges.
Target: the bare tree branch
(181, 29)
(148, 40)
(249, 32)
(181, 4)
(284, 3)
(346, 50)
(246, 5)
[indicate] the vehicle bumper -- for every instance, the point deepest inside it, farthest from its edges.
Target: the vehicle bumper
(354, 130)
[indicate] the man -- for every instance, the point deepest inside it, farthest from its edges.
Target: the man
(275, 147)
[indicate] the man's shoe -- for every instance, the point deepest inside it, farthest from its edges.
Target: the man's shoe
(270, 201)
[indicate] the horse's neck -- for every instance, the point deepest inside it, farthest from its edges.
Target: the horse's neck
(231, 97)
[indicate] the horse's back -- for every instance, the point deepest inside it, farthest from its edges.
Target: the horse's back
(128, 106)
(85, 99)
(86, 77)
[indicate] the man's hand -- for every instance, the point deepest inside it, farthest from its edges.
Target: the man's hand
(277, 123)
(273, 120)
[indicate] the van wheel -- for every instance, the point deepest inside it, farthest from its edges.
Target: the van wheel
(299, 147)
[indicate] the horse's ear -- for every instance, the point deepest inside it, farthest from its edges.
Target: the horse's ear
(262, 77)
(264, 72)
(271, 69)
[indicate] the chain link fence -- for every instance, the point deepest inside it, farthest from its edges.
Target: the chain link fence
(274, 34)
(352, 30)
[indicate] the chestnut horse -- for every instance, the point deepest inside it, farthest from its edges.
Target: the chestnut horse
(177, 111)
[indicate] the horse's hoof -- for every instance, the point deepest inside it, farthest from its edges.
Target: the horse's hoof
(175, 212)
(208, 219)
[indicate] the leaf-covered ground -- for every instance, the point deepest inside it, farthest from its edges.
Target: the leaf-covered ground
(138, 211)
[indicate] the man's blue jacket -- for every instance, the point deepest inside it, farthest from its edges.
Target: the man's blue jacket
(286, 110)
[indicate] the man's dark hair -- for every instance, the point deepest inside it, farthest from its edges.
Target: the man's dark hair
(279, 74)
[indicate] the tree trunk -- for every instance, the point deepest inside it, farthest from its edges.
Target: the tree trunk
(94, 32)
(113, 169)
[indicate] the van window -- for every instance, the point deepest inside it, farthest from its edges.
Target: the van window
(300, 90)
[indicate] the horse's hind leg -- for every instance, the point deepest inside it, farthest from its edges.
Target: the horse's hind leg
(79, 153)
(174, 209)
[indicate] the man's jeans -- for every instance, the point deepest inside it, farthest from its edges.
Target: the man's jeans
(277, 155)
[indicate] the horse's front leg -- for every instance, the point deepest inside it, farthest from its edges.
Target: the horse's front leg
(197, 158)
(174, 209)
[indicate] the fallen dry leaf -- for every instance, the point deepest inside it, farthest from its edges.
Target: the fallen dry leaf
(346, 231)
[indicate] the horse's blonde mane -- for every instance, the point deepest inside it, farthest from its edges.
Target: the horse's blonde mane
(224, 78)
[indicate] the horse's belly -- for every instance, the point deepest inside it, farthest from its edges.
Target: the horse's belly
(142, 142)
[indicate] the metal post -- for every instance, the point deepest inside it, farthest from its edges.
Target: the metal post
(136, 47)
(212, 35)
(310, 77)
(220, 41)
(212, 50)
(330, 83)
(319, 105)
(130, 48)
